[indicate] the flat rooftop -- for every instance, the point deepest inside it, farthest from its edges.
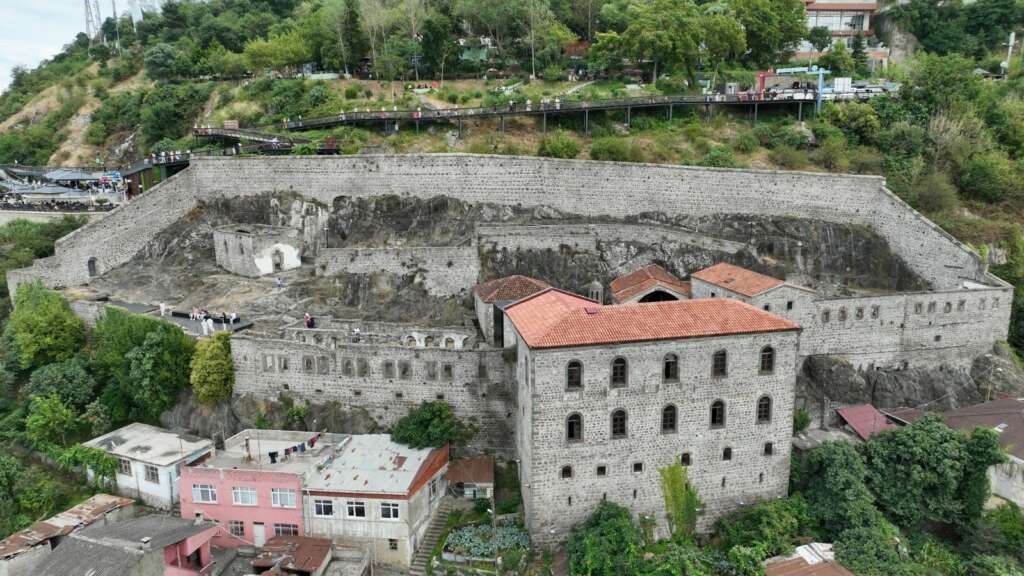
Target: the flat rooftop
(151, 444)
(374, 464)
(261, 443)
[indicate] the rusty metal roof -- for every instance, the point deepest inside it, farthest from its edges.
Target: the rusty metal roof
(62, 524)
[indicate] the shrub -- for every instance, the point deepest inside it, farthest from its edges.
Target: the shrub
(552, 73)
(452, 97)
(935, 192)
(432, 424)
(866, 160)
(832, 154)
(773, 525)
(744, 142)
(67, 379)
(994, 566)
(606, 544)
(801, 420)
(719, 157)
(616, 149)
(775, 136)
(788, 157)
(352, 92)
(989, 177)
(559, 144)
(858, 120)
(367, 93)
(212, 370)
(671, 84)
(869, 550)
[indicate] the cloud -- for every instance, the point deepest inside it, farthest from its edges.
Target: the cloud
(34, 30)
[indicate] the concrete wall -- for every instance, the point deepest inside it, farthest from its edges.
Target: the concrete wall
(477, 386)
(446, 271)
(162, 494)
(1008, 480)
(722, 485)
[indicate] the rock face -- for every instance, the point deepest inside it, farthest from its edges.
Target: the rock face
(826, 380)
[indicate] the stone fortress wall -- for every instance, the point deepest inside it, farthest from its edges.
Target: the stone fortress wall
(446, 271)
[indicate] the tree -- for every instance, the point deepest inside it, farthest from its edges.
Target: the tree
(68, 380)
(213, 372)
(42, 329)
(10, 471)
(161, 62)
(774, 28)
(983, 451)
(606, 544)
(858, 53)
(432, 424)
(939, 82)
(159, 368)
(722, 38)
(772, 526)
(681, 501)
(833, 484)
(820, 37)
(49, 421)
(838, 60)
(665, 31)
(439, 44)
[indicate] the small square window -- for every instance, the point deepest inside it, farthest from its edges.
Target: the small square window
(152, 474)
(439, 396)
(767, 307)
(602, 470)
(236, 528)
(789, 305)
(859, 313)
(638, 466)
(392, 544)
(357, 392)
(399, 395)
(727, 454)
(938, 337)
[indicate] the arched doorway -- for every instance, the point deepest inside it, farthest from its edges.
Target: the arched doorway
(658, 296)
(277, 257)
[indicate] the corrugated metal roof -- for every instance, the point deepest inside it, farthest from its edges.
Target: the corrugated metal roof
(472, 470)
(1005, 416)
(62, 524)
(864, 419)
(294, 553)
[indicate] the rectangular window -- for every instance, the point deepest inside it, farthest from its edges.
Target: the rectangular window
(204, 494)
(931, 307)
(355, 509)
(308, 364)
(918, 307)
(431, 370)
(602, 470)
(825, 316)
(282, 498)
(236, 528)
(389, 369)
(389, 510)
(876, 311)
(404, 370)
(124, 466)
(789, 305)
(152, 474)
(961, 305)
(481, 371)
(323, 365)
(638, 466)
(447, 372)
(323, 508)
(282, 363)
(243, 495)
(362, 367)
(859, 313)
(392, 544)
(268, 363)
(286, 530)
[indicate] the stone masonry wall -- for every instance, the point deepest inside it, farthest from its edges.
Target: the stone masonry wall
(586, 237)
(723, 485)
(358, 376)
(446, 271)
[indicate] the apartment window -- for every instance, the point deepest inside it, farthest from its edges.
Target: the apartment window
(685, 459)
(566, 472)
(670, 369)
(767, 360)
(236, 528)
(204, 494)
(859, 313)
(719, 364)
(323, 508)
(619, 424)
(392, 544)
(764, 410)
(286, 530)
(620, 373)
(574, 375)
(825, 316)
(718, 414)
(638, 466)
(669, 419)
(727, 454)
(769, 449)
(574, 428)
(355, 509)
(152, 474)
(282, 497)
(243, 496)
(389, 510)
(602, 470)
(124, 466)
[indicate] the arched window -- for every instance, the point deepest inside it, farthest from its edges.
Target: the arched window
(769, 449)
(410, 341)
(727, 454)
(620, 373)
(566, 472)
(842, 314)
(717, 414)
(428, 341)
(668, 418)
(685, 459)
(449, 343)
(574, 375)
(670, 369)
(93, 267)
(619, 424)
(764, 410)
(574, 428)
(767, 360)
(719, 364)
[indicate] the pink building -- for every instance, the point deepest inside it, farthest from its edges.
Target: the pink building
(253, 487)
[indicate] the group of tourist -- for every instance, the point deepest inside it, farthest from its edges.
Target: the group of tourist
(206, 321)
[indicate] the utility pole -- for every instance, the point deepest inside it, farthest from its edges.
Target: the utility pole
(93, 20)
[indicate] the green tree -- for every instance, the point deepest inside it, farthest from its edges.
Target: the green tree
(10, 471)
(42, 329)
(606, 544)
(722, 38)
(831, 479)
(935, 192)
(869, 550)
(820, 37)
(989, 177)
(665, 31)
(838, 60)
(982, 451)
(38, 496)
(681, 501)
(432, 424)
(67, 379)
(559, 144)
(774, 28)
(773, 526)
(939, 82)
(159, 368)
(161, 61)
(49, 421)
(858, 51)
(213, 372)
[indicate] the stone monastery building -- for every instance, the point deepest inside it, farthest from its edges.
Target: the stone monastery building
(674, 353)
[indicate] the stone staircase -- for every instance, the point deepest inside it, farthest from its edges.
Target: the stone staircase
(419, 562)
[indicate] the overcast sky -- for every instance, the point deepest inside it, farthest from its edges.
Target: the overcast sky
(31, 30)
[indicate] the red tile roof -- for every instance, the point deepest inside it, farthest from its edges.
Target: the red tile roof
(625, 287)
(1006, 416)
(508, 288)
(864, 419)
(555, 319)
(472, 470)
(736, 279)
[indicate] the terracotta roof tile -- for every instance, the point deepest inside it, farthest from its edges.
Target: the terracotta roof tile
(508, 288)
(629, 285)
(555, 319)
(736, 279)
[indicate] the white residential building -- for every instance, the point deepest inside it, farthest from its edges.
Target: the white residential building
(149, 461)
